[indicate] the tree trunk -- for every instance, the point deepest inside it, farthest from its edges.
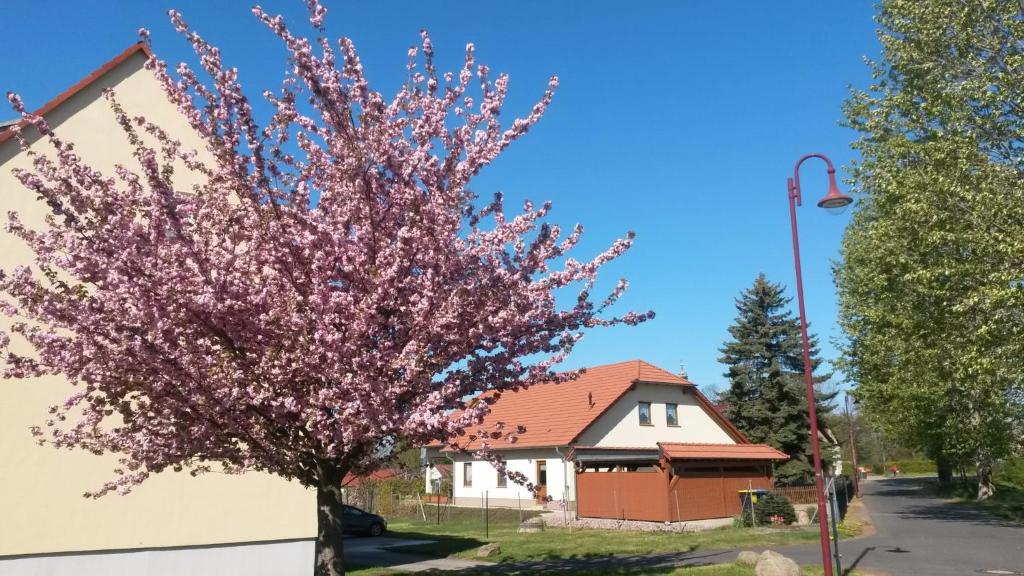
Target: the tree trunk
(985, 486)
(330, 553)
(945, 468)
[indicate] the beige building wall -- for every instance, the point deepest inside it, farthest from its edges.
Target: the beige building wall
(41, 503)
(620, 426)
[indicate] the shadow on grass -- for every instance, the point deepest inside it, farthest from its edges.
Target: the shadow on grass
(665, 563)
(444, 544)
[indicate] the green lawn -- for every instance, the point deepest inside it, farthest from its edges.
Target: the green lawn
(718, 570)
(463, 532)
(1008, 501)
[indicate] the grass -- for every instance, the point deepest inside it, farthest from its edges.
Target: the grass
(1007, 503)
(463, 532)
(717, 570)
(714, 570)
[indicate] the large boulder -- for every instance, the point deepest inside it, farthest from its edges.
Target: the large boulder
(747, 558)
(775, 564)
(488, 550)
(802, 518)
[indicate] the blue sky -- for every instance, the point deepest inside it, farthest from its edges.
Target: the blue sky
(677, 120)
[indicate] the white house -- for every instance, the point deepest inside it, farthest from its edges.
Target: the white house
(627, 440)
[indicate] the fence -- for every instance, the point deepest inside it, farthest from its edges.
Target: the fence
(809, 495)
(798, 494)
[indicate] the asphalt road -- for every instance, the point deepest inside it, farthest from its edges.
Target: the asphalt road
(919, 534)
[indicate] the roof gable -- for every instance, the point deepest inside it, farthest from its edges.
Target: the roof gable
(556, 414)
(6, 133)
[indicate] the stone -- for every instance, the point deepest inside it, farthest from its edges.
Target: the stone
(747, 558)
(488, 550)
(802, 518)
(775, 564)
(535, 524)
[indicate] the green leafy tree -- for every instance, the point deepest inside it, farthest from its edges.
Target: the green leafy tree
(767, 397)
(929, 286)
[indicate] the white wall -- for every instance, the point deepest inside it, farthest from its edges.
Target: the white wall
(290, 558)
(620, 425)
(430, 475)
(485, 476)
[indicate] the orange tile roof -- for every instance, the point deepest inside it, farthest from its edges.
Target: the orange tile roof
(556, 414)
(6, 133)
(354, 480)
(679, 451)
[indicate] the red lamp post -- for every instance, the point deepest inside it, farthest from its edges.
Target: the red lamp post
(834, 201)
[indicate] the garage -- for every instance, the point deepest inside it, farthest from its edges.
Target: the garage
(677, 483)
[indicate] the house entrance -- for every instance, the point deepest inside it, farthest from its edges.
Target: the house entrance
(542, 481)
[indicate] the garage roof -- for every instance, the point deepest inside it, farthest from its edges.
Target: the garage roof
(676, 451)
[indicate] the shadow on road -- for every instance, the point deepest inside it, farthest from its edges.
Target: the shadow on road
(937, 508)
(955, 513)
(853, 566)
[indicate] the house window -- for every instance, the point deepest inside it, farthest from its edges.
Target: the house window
(467, 474)
(645, 413)
(672, 414)
(502, 480)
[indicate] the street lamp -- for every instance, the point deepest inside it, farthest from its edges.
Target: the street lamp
(834, 202)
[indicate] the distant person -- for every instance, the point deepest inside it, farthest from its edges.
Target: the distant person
(895, 470)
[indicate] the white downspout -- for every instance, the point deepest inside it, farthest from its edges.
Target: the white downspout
(565, 479)
(452, 460)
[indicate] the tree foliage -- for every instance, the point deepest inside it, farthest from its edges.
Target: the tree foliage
(331, 290)
(767, 397)
(930, 294)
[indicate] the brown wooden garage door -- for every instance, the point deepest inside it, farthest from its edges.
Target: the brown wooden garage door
(701, 492)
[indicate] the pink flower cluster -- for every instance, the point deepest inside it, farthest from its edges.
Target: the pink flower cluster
(333, 289)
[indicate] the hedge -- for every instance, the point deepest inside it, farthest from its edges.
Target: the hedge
(907, 467)
(1011, 471)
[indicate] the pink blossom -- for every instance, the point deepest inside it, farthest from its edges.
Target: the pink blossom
(332, 287)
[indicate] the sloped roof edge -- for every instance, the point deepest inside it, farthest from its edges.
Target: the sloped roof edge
(95, 75)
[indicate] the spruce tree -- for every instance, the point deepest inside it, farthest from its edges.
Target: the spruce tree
(766, 398)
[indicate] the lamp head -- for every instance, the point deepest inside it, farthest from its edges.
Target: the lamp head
(835, 202)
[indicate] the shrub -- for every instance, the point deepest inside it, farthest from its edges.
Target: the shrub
(769, 509)
(774, 509)
(1011, 471)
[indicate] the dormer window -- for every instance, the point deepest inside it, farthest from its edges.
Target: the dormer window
(645, 413)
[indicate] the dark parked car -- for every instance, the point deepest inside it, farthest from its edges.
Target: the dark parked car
(362, 522)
